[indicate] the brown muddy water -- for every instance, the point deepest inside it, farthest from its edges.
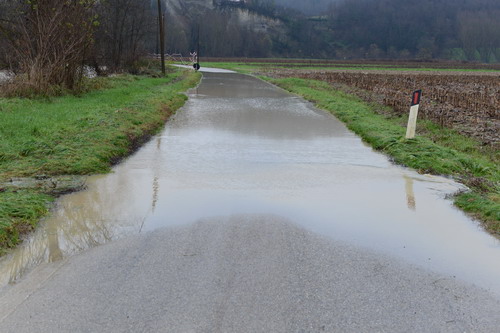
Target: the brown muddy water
(242, 146)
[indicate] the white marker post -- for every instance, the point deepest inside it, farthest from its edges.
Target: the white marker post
(412, 120)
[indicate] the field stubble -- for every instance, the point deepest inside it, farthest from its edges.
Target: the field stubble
(468, 102)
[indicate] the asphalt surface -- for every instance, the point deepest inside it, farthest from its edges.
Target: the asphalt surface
(254, 212)
(243, 274)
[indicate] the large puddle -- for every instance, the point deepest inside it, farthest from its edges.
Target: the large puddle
(241, 146)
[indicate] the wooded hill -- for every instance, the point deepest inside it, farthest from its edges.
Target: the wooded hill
(461, 30)
(309, 7)
(115, 33)
(425, 29)
(395, 29)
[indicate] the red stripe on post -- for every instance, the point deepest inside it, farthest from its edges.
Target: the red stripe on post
(416, 97)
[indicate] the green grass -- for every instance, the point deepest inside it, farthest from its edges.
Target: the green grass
(78, 135)
(441, 152)
(20, 211)
(84, 135)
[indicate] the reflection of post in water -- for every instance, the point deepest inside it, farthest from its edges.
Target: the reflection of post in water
(156, 187)
(158, 143)
(156, 184)
(410, 194)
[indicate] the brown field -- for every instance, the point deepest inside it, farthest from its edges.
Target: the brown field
(466, 101)
(328, 63)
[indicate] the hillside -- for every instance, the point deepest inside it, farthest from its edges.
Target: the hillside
(226, 28)
(310, 7)
(467, 30)
(427, 29)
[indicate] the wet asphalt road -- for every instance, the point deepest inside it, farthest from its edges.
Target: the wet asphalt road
(245, 274)
(254, 212)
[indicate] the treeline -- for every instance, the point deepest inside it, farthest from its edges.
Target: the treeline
(49, 42)
(220, 34)
(52, 44)
(425, 29)
(309, 7)
(461, 30)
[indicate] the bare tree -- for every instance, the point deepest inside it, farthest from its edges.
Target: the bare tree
(126, 28)
(49, 40)
(6, 10)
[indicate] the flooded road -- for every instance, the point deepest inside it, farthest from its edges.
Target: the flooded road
(241, 147)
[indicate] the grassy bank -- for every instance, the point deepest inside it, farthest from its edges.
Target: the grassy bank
(73, 135)
(436, 150)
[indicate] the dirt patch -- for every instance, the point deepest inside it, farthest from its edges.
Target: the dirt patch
(56, 185)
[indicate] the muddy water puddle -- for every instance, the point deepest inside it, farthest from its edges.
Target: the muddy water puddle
(241, 146)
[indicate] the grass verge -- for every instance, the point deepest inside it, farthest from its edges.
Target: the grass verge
(442, 152)
(76, 135)
(250, 67)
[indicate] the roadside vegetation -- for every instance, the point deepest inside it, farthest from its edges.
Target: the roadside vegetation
(42, 139)
(249, 65)
(436, 149)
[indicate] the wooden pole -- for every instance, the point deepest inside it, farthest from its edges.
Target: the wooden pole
(198, 47)
(196, 65)
(162, 37)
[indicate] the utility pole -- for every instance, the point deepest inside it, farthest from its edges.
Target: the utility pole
(162, 36)
(196, 65)
(198, 46)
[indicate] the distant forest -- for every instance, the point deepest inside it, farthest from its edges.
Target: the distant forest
(116, 33)
(462, 30)
(308, 7)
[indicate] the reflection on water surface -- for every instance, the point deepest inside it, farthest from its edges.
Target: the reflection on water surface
(241, 146)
